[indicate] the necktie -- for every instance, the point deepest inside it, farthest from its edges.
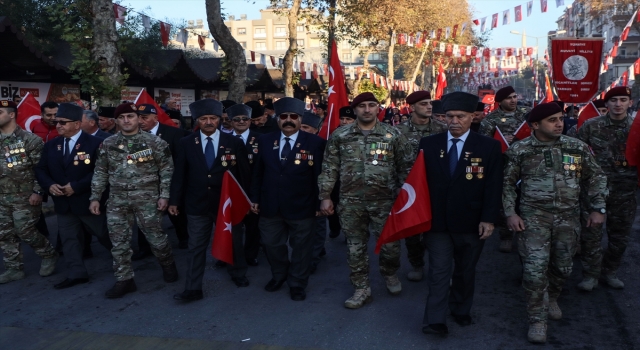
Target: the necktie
(209, 153)
(453, 156)
(286, 148)
(240, 137)
(67, 152)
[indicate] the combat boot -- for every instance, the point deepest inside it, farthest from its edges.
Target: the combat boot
(587, 284)
(393, 284)
(170, 272)
(416, 274)
(506, 246)
(554, 310)
(11, 275)
(537, 332)
(48, 265)
(612, 280)
(359, 298)
(121, 288)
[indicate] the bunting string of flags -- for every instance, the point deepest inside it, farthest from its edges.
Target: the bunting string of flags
(613, 52)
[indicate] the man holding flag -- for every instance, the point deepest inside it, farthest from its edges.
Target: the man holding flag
(372, 160)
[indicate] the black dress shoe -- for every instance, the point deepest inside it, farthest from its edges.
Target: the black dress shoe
(436, 328)
(241, 281)
(140, 255)
(463, 320)
(70, 282)
(183, 245)
(273, 285)
(189, 295)
(297, 293)
(221, 263)
(334, 234)
(252, 262)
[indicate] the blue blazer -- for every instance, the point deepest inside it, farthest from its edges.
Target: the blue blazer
(102, 135)
(54, 169)
(290, 190)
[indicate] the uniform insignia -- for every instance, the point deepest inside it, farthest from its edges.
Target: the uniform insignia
(628, 91)
(133, 107)
(298, 145)
(141, 108)
(60, 147)
(388, 135)
(4, 103)
(78, 146)
(441, 153)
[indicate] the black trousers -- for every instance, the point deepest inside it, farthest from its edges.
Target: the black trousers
(251, 236)
(446, 248)
(71, 229)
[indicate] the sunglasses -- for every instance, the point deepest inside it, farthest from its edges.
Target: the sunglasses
(293, 116)
(240, 119)
(64, 122)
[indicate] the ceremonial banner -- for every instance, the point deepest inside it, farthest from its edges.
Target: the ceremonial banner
(576, 67)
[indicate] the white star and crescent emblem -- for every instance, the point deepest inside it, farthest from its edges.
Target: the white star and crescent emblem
(226, 204)
(412, 197)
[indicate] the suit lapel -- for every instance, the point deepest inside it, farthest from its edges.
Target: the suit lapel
(443, 154)
(198, 151)
(275, 152)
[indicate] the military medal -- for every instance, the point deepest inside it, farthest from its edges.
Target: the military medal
(121, 146)
(375, 162)
(624, 163)
(388, 135)
(378, 151)
(480, 172)
(297, 161)
(469, 176)
(572, 167)
(372, 152)
(10, 165)
(503, 120)
(310, 160)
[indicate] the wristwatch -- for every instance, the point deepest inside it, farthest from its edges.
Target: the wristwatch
(38, 193)
(600, 210)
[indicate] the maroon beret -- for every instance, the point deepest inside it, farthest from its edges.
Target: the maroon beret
(125, 108)
(8, 104)
(617, 91)
(504, 93)
(363, 97)
(599, 103)
(418, 96)
(542, 111)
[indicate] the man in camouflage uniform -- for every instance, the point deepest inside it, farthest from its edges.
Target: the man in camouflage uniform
(420, 125)
(602, 109)
(607, 137)
(372, 161)
(20, 197)
(554, 169)
(508, 119)
(138, 167)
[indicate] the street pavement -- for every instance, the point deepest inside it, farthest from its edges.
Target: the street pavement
(33, 315)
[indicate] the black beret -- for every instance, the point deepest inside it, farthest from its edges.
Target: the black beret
(542, 111)
(226, 104)
(108, 112)
(617, 91)
(599, 103)
(480, 107)
(311, 119)
(459, 101)
(436, 107)
(207, 106)
(125, 108)
(69, 111)
(147, 109)
(504, 93)
(238, 110)
(364, 97)
(347, 111)
(418, 96)
(289, 105)
(257, 110)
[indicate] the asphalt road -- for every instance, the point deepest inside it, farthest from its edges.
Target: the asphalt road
(33, 315)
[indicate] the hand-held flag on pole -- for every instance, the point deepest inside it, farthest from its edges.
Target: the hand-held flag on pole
(442, 82)
(234, 206)
(587, 112)
(503, 142)
(28, 111)
(336, 95)
(523, 131)
(145, 98)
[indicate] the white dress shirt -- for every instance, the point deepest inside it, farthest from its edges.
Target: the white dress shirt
(72, 142)
(244, 135)
(154, 130)
(460, 143)
(215, 139)
(292, 141)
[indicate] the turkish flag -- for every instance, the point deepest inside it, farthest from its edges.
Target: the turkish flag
(234, 206)
(543, 6)
(636, 67)
(382, 113)
(144, 98)
(411, 213)
(548, 97)
(201, 42)
(503, 142)
(165, 29)
(442, 83)
(337, 95)
(625, 78)
(119, 13)
(494, 21)
(28, 111)
(587, 112)
(523, 131)
(518, 12)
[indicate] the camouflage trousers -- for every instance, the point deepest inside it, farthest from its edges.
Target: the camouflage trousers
(621, 213)
(17, 223)
(546, 246)
(122, 207)
(358, 218)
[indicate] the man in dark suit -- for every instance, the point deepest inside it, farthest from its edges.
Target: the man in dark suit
(65, 171)
(202, 160)
(89, 125)
(149, 123)
(240, 116)
(284, 191)
(464, 173)
(261, 122)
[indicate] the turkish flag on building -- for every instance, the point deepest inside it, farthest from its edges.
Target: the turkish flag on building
(576, 68)
(28, 111)
(411, 213)
(144, 98)
(503, 142)
(442, 83)
(234, 206)
(523, 131)
(336, 95)
(587, 112)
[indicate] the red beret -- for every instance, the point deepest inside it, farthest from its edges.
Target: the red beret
(8, 104)
(363, 97)
(418, 96)
(599, 103)
(504, 93)
(617, 91)
(125, 108)
(542, 111)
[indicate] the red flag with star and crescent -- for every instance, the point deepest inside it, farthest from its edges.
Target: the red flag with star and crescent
(145, 98)
(336, 96)
(234, 206)
(28, 111)
(411, 212)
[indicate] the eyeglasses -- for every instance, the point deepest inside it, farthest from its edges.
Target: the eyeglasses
(240, 119)
(64, 122)
(293, 116)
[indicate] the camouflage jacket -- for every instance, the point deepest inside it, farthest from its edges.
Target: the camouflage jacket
(139, 162)
(369, 167)
(608, 142)
(414, 133)
(552, 175)
(508, 124)
(22, 151)
(573, 131)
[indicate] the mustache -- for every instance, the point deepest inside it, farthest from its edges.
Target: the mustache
(285, 124)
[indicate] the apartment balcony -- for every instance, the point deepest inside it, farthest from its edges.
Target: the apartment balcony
(625, 59)
(280, 34)
(259, 35)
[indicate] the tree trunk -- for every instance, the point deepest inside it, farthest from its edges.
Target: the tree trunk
(105, 50)
(365, 68)
(390, 67)
(293, 48)
(415, 71)
(232, 49)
